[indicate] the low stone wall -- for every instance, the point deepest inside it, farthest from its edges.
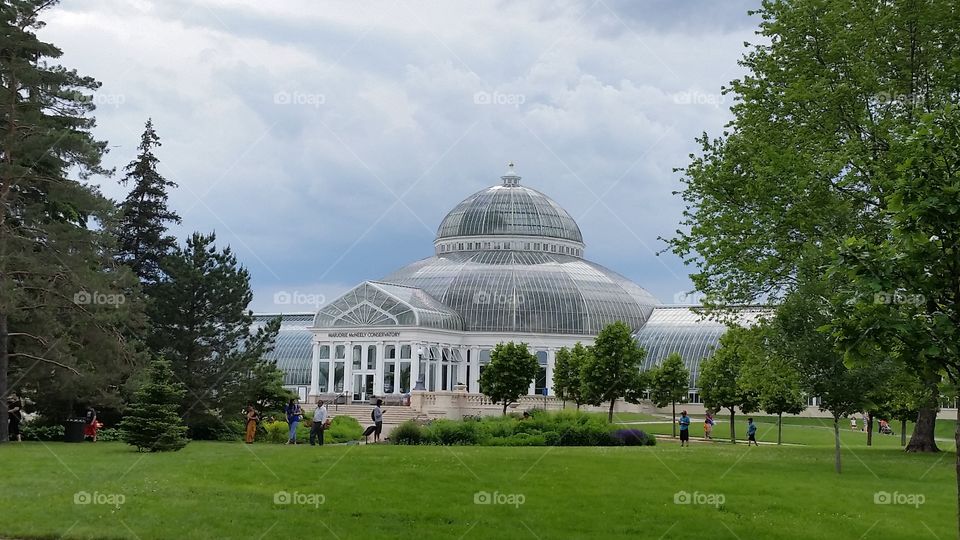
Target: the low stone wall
(457, 404)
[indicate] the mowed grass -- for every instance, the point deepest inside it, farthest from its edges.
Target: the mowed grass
(796, 430)
(227, 490)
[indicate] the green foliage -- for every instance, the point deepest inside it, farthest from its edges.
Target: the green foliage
(142, 238)
(342, 429)
(567, 373)
(669, 383)
(153, 422)
(63, 302)
(33, 431)
(566, 428)
(720, 381)
(508, 375)
(408, 432)
(612, 371)
(201, 322)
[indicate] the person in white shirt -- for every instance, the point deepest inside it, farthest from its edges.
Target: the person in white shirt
(319, 423)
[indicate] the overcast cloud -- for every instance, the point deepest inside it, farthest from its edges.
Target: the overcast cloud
(325, 141)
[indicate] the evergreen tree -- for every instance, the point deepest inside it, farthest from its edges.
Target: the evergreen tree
(508, 376)
(202, 324)
(670, 383)
(153, 420)
(613, 369)
(142, 235)
(61, 300)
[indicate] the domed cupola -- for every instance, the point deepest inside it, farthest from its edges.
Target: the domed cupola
(509, 216)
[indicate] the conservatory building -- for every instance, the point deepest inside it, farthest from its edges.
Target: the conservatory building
(508, 265)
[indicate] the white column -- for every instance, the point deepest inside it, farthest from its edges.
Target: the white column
(414, 364)
(474, 384)
(396, 367)
(551, 360)
(315, 370)
(533, 384)
(378, 375)
(348, 370)
(332, 370)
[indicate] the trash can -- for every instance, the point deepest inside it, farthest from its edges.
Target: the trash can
(73, 429)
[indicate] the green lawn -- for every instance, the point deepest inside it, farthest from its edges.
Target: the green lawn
(225, 490)
(796, 430)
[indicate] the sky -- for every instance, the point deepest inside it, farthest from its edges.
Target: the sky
(325, 141)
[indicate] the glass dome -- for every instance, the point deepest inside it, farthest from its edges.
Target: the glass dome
(509, 209)
(536, 292)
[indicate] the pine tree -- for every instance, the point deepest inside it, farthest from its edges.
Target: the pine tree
(202, 325)
(153, 420)
(142, 236)
(61, 300)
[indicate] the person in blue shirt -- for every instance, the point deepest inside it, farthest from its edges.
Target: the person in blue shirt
(294, 415)
(751, 432)
(684, 428)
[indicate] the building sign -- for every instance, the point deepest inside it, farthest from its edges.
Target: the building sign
(378, 334)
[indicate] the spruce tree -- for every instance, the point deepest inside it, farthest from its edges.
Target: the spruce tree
(142, 235)
(202, 324)
(153, 420)
(61, 300)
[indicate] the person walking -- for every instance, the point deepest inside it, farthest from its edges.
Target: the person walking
(319, 423)
(377, 416)
(294, 415)
(708, 426)
(252, 419)
(751, 432)
(684, 422)
(14, 418)
(853, 422)
(91, 424)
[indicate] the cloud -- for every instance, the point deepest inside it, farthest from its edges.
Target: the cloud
(326, 145)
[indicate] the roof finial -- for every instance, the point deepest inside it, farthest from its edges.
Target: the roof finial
(511, 178)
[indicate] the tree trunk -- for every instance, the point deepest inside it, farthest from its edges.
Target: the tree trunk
(674, 403)
(733, 427)
(504, 407)
(610, 414)
(869, 428)
(4, 365)
(836, 441)
(780, 428)
(903, 432)
(922, 438)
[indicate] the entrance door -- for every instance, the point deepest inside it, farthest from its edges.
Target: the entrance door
(362, 387)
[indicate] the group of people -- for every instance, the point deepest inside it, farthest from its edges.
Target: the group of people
(708, 423)
(321, 421)
(882, 425)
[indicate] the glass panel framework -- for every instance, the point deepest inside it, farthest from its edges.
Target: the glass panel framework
(509, 210)
(385, 304)
(683, 330)
(518, 291)
(293, 348)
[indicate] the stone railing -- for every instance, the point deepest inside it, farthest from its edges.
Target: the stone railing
(459, 403)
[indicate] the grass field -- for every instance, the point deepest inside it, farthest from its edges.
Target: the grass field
(227, 490)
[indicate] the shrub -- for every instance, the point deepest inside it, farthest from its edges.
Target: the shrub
(31, 431)
(278, 432)
(633, 437)
(449, 432)
(519, 439)
(110, 435)
(408, 432)
(342, 429)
